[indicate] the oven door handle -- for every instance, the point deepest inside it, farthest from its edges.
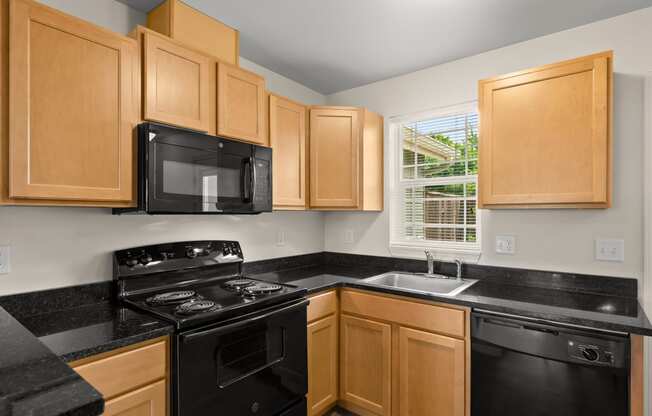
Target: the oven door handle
(190, 337)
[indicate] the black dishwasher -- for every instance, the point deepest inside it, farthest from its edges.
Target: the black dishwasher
(522, 367)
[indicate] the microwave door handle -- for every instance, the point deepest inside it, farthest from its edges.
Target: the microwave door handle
(252, 179)
(244, 192)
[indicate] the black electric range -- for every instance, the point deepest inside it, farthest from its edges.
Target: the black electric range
(240, 344)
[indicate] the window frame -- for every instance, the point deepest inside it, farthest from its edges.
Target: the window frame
(443, 250)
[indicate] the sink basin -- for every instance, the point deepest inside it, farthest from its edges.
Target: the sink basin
(421, 283)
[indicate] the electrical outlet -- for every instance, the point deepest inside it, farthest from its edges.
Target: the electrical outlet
(348, 236)
(505, 244)
(280, 238)
(607, 249)
(5, 260)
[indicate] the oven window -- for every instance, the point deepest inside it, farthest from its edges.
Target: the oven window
(246, 352)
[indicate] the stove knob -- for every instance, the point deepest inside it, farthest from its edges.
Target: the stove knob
(145, 258)
(131, 261)
(191, 253)
(590, 354)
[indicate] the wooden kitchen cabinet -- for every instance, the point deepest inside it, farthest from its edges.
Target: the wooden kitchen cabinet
(346, 159)
(403, 356)
(133, 380)
(431, 374)
(189, 26)
(322, 364)
(365, 364)
(147, 401)
(287, 138)
(545, 136)
(177, 83)
(71, 109)
(323, 352)
(241, 104)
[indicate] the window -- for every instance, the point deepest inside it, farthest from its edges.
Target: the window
(433, 193)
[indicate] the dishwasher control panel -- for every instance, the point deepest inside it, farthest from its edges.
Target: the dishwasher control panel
(592, 353)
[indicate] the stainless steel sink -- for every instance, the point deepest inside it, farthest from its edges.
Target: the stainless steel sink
(421, 283)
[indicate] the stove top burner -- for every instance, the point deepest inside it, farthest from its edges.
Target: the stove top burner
(171, 297)
(238, 284)
(261, 288)
(195, 307)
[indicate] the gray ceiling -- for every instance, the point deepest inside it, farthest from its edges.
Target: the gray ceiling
(334, 45)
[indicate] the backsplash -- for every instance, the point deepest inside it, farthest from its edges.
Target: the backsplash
(54, 247)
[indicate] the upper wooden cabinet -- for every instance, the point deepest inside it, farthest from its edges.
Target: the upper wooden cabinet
(73, 106)
(287, 137)
(346, 159)
(241, 104)
(177, 83)
(545, 136)
(181, 22)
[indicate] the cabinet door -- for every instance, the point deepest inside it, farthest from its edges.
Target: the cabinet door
(287, 136)
(72, 107)
(322, 364)
(431, 374)
(177, 84)
(365, 364)
(240, 104)
(147, 401)
(334, 158)
(545, 135)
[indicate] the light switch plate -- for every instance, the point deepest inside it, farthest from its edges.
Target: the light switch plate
(5, 260)
(348, 236)
(609, 249)
(505, 244)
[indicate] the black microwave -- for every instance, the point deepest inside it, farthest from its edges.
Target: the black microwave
(185, 172)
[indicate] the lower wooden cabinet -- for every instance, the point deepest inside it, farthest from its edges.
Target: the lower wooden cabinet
(322, 364)
(133, 380)
(431, 374)
(365, 366)
(400, 356)
(147, 401)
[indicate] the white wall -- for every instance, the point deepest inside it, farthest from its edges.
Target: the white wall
(546, 239)
(53, 247)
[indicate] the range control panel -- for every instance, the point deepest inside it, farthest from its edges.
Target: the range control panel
(175, 256)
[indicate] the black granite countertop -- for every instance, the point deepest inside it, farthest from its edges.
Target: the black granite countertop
(87, 330)
(49, 328)
(575, 307)
(41, 331)
(35, 381)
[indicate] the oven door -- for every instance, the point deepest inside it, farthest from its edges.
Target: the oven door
(257, 366)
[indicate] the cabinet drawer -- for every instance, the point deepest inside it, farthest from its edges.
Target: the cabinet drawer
(125, 371)
(322, 305)
(432, 318)
(147, 401)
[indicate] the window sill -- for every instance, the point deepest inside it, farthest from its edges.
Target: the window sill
(441, 253)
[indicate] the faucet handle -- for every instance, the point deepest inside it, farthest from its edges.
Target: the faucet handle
(428, 254)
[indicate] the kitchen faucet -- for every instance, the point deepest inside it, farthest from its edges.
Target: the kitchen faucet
(431, 262)
(459, 265)
(431, 265)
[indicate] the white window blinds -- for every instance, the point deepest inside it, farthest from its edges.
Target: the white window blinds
(434, 194)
